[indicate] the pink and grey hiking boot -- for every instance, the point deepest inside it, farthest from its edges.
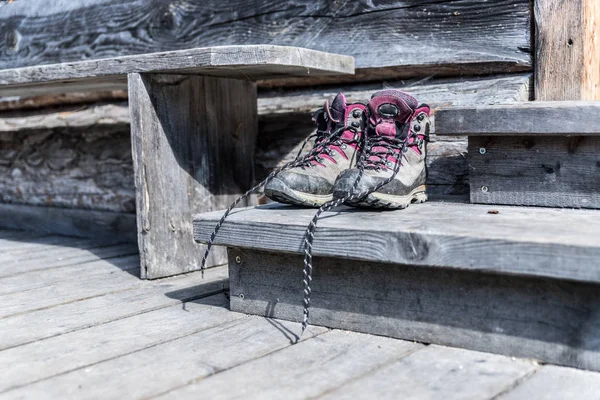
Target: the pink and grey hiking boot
(340, 128)
(391, 172)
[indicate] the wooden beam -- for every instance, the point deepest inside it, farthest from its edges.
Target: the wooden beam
(522, 119)
(524, 241)
(391, 38)
(545, 319)
(243, 62)
(567, 49)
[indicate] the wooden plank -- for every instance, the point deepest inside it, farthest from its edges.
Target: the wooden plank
(193, 142)
(523, 119)
(548, 171)
(61, 100)
(171, 365)
(526, 241)
(48, 260)
(242, 62)
(101, 277)
(29, 363)
(553, 382)
(567, 50)
(151, 295)
(437, 372)
(69, 222)
(448, 37)
(303, 371)
(545, 319)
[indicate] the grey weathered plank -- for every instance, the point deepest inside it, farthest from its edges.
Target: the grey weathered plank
(70, 222)
(526, 241)
(302, 371)
(567, 55)
(242, 62)
(64, 318)
(545, 319)
(29, 363)
(447, 37)
(44, 260)
(438, 372)
(523, 119)
(173, 364)
(193, 145)
(101, 277)
(553, 382)
(536, 171)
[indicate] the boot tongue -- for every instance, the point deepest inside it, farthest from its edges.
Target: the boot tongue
(389, 107)
(337, 110)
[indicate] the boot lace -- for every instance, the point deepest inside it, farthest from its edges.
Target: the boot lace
(323, 139)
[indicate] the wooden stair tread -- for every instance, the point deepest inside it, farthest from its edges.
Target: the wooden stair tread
(542, 242)
(560, 118)
(252, 62)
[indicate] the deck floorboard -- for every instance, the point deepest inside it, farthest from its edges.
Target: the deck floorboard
(82, 318)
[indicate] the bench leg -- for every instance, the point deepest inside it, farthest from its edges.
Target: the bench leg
(193, 141)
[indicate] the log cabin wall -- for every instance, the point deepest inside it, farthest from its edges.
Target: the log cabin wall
(73, 151)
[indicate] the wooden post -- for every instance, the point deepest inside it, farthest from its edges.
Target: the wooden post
(193, 148)
(567, 50)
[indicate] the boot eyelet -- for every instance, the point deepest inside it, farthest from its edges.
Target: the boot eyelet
(417, 127)
(355, 124)
(356, 113)
(421, 117)
(344, 147)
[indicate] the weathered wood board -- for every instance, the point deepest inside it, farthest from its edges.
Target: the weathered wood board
(536, 171)
(438, 372)
(242, 62)
(306, 370)
(193, 147)
(414, 38)
(540, 242)
(544, 118)
(567, 50)
(545, 319)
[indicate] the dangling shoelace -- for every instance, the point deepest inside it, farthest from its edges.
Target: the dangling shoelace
(322, 141)
(370, 158)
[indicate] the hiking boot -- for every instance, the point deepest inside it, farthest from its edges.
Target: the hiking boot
(391, 172)
(339, 133)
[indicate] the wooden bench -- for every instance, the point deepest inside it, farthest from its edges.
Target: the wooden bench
(518, 281)
(193, 127)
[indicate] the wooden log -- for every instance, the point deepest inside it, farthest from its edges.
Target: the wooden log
(193, 145)
(69, 222)
(562, 118)
(242, 62)
(535, 171)
(562, 244)
(394, 38)
(544, 319)
(567, 50)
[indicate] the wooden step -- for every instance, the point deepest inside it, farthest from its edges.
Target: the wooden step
(510, 280)
(532, 153)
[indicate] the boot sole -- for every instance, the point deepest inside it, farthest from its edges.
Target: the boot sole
(390, 201)
(282, 193)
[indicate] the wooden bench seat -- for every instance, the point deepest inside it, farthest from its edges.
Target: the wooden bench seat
(194, 122)
(519, 281)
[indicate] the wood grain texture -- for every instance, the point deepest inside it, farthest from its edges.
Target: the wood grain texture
(29, 363)
(453, 35)
(544, 118)
(536, 171)
(458, 374)
(87, 167)
(243, 62)
(61, 100)
(37, 325)
(69, 222)
(524, 241)
(174, 364)
(552, 382)
(567, 51)
(303, 371)
(545, 319)
(193, 147)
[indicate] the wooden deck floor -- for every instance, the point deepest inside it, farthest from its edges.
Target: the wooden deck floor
(76, 322)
